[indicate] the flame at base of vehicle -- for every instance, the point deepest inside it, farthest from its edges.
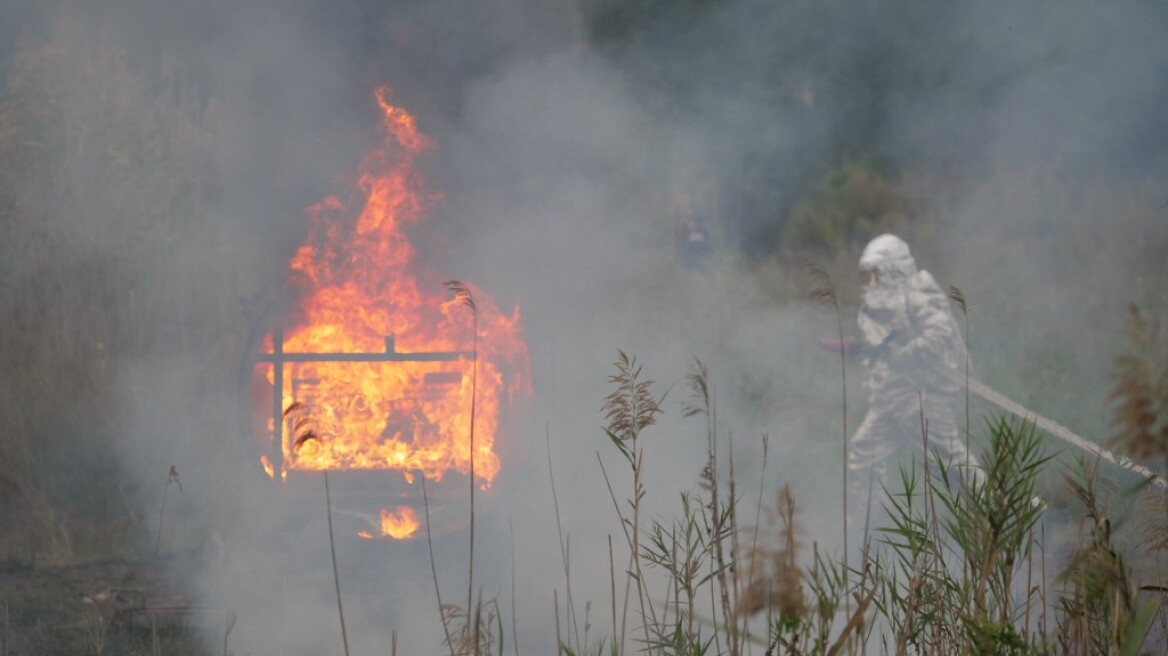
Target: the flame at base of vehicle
(400, 524)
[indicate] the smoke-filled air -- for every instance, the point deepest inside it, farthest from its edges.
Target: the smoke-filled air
(583, 327)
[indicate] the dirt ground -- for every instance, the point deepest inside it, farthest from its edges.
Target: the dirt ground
(115, 607)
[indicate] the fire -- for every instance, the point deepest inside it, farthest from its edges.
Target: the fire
(379, 367)
(399, 525)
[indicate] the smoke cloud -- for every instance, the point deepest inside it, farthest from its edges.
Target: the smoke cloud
(572, 137)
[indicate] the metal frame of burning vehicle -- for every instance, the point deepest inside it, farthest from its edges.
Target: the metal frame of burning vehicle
(387, 501)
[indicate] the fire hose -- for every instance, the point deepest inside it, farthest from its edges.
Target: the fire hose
(1063, 433)
(1048, 425)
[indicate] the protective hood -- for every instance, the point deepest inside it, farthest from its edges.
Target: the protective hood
(888, 256)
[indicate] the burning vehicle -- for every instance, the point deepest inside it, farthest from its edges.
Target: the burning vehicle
(366, 365)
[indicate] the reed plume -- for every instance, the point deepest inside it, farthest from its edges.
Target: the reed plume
(1140, 391)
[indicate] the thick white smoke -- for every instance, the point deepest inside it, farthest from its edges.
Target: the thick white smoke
(568, 135)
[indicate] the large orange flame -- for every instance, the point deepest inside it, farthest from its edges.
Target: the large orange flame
(410, 409)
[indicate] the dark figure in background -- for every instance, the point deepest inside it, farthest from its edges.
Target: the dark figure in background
(692, 234)
(916, 358)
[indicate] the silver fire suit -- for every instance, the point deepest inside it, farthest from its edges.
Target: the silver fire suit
(915, 358)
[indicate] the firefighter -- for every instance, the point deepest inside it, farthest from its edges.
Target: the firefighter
(915, 359)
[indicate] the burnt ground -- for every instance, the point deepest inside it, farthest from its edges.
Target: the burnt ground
(113, 607)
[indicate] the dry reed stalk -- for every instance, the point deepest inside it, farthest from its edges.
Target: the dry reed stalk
(333, 552)
(514, 615)
(699, 382)
(1042, 590)
(434, 568)
(612, 591)
(463, 296)
(958, 299)
(301, 428)
(1029, 582)
(228, 626)
(633, 570)
(556, 608)
(929, 492)
(734, 548)
(478, 616)
(629, 409)
(754, 532)
(714, 615)
(825, 293)
(171, 479)
(564, 550)
(571, 609)
(853, 626)
(676, 591)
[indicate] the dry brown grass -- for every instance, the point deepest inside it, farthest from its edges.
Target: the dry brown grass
(1140, 391)
(774, 574)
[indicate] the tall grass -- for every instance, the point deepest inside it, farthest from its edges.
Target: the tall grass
(107, 260)
(953, 570)
(721, 517)
(955, 589)
(630, 409)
